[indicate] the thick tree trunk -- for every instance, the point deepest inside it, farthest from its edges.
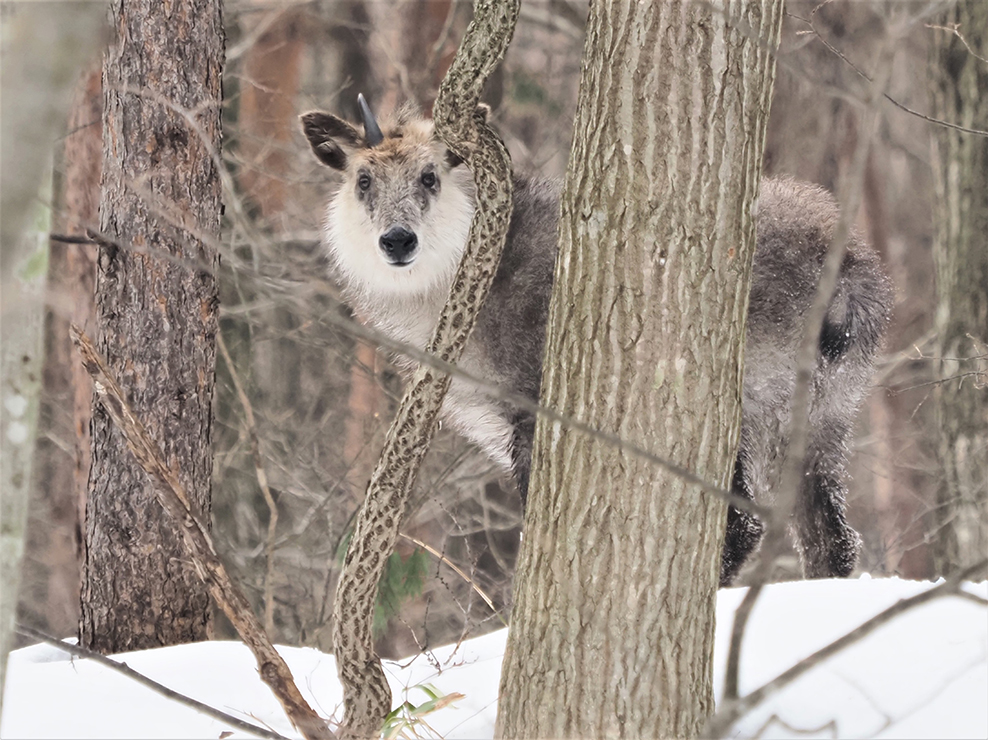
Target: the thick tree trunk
(613, 623)
(961, 176)
(156, 314)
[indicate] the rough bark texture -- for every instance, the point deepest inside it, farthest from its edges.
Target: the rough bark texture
(367, 696)
(613, 623)
(961, 176)
(156, 314)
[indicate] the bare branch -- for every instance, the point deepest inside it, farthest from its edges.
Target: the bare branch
(955, 29)
(505, 393)
(446, 561)
(262, 481)
(732, 709)
(81, 652)
(173, 499)
(843, 57)
(429, 359)
(792, 472)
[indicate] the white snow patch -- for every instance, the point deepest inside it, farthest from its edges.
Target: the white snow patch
(924, 674)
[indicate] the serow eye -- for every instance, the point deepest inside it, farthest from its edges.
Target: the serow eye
(364, 182)
(429, 179)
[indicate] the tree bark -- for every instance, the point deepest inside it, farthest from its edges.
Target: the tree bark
(160, 213)
(960, 72)
(613, 623)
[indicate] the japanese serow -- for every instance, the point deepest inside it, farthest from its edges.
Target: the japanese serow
(396, 227)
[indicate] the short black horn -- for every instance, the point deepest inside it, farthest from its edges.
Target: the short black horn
(372, 132)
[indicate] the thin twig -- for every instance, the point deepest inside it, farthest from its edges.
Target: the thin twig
(262, 481)
(864, 75)
(974, 598)
(446, 561)
(208, 566)
(71, 239)
(361, 331)
(504, 393)
(954, 29)
(795, 731)
(782, 62)
(425, 357)
(731, 710)
(81, 652)
(791, 478)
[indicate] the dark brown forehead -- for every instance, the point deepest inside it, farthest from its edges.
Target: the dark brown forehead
(404, 143)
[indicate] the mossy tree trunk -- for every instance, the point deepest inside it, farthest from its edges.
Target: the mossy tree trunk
(613, 624)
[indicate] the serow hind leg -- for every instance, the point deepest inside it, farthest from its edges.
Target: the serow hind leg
(744, 530)
(826, 542)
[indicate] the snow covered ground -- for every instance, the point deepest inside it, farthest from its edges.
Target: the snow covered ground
(923, 675)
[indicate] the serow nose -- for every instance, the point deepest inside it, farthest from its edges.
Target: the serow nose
(398, 245)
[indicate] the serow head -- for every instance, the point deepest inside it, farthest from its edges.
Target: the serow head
(399, 218)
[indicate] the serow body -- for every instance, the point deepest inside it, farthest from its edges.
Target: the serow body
(396, 227)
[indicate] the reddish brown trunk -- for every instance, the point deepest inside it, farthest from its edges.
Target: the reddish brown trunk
(50, 598)
(267, 116)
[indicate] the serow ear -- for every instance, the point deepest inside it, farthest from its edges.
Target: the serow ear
(329, 138)
(481, 114)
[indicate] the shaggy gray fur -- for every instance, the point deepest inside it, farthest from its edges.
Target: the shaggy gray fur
(794, 224)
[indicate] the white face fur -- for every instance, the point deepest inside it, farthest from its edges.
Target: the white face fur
(385, 188)
(353, 238)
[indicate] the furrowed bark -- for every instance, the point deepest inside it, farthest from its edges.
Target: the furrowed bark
(156, 315)
(612, 627)
(960, 171)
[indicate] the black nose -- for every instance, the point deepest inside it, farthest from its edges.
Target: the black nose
(399, 244)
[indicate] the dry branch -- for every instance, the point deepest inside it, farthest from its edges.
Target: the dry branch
(173, 499)
(733, 709)
(262, 482)
(80, 652)
(806, 362)
(367, 697)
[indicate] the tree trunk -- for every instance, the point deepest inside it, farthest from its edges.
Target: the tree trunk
(613, 623)
(156, 313)
(50, 600)
(35, 88)
(960, 170)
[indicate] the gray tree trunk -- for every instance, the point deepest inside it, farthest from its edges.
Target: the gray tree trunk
(156, 315)
(36, 90)
(613, 624)
(961, 176)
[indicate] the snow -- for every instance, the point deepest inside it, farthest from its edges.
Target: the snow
(922, 675)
